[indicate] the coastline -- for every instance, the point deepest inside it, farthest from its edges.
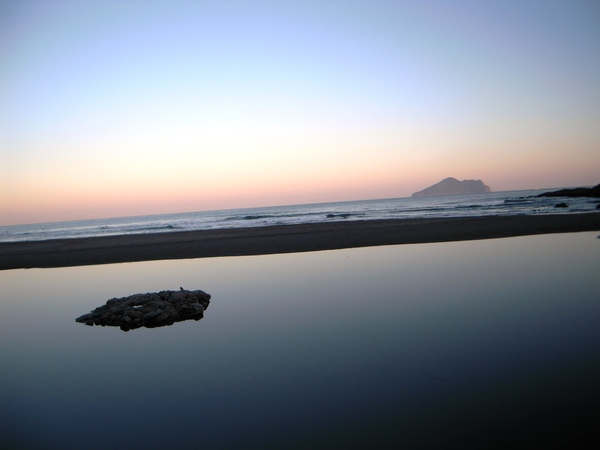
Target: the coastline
(282, 239)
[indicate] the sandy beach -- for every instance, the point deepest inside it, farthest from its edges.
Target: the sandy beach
(282, 239)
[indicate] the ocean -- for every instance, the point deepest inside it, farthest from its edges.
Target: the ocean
(495, 203)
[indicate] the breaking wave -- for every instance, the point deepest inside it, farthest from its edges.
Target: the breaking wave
(495, 203)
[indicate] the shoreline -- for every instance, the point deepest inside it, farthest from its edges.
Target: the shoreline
(282, 239)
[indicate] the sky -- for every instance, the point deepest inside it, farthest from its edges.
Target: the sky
(119, 108)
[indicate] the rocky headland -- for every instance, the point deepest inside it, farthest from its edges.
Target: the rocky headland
(149, 310)
(593, 192)
(451, 186)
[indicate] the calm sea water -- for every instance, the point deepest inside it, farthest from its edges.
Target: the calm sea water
(497, 203)
(482, 344)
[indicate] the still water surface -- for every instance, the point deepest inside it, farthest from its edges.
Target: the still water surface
(451, 345)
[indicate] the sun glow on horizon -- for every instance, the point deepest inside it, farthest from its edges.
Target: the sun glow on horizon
(110, 109)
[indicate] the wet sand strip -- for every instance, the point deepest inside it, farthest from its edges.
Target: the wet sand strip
(282, 239)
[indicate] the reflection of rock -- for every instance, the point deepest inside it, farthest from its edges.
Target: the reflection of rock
(149, 310)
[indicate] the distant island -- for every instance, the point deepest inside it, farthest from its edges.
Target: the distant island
(451, 186)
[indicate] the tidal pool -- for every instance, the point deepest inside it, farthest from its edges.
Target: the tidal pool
(451, 345)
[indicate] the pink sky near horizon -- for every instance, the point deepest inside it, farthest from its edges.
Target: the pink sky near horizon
(112, 109)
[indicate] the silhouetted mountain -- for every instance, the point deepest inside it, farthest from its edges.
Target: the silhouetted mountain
(451, 186)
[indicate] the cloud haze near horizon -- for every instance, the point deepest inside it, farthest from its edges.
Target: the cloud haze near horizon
(123, 108)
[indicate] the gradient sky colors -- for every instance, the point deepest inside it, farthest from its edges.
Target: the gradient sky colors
(113, 108)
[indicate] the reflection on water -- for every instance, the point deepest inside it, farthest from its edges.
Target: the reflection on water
(453, 345)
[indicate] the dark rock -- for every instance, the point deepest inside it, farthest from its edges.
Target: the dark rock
(152, 315)
(149, 310)
(561, 205)
(451, 186)
(575, 192)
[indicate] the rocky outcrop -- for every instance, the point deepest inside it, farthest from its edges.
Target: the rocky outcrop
(149, 310)
(593, 192)
(451, 186)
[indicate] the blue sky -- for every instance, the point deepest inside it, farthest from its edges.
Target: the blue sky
(115, 108)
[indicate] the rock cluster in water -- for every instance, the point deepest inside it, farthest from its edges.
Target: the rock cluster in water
(593, 192)
(149, 310)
